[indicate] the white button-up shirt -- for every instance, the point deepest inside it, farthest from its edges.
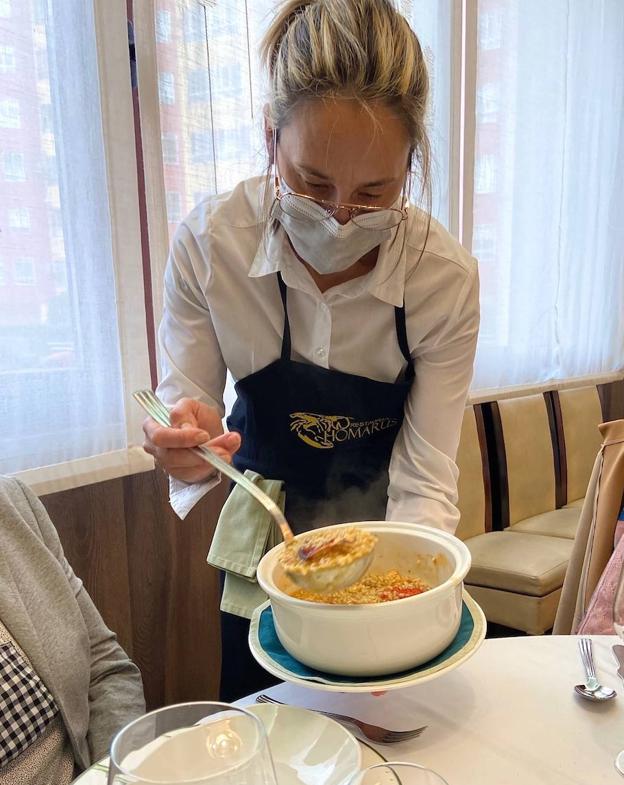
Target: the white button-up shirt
(223, 312)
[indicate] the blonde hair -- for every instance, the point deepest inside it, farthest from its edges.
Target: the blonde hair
(361, 49)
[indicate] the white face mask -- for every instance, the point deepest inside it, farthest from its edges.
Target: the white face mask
(323, 242)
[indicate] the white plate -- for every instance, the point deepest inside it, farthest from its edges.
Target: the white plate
(287, 742)
(334, 684)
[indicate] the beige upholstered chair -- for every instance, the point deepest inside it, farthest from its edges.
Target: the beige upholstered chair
(578, 414)
(529, 468)
(515, 577)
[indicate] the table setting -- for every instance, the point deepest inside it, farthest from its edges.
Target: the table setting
(387, 679)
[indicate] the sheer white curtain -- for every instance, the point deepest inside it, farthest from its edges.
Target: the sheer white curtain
(548, 196)
(211, 94)
(72, 320)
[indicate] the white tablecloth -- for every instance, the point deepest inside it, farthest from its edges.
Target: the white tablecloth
(509, 716)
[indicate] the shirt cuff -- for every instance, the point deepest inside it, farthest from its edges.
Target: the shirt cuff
(184, 496)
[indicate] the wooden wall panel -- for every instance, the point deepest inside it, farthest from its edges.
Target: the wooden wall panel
(146, 572)
(92, 526)
(612, 399)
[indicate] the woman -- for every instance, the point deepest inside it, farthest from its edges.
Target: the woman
(348, 318)
(66, 684)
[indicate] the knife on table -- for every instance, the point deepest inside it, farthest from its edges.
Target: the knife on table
(618, 653)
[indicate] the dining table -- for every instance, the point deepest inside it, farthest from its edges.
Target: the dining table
(507, 716)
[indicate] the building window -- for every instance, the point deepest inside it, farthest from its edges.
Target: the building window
(166, 88)
(5, 9)
(170, 148)
(40, 12)
(24, 270)
(490, 29)
(14, 167)
(228, 78)
(41, 63)
(198, 88)
(174, 207)
(163, 27)
(7, 59)
(59, 275)
(194, 25)
(3, 279)
(485, 174)
(56, 223)
(45, 114)
(201, 147)
(19, 218)
(9, 113)
(488, 101)
(50, 169)
(484, 242)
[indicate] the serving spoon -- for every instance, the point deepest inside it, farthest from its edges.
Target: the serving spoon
(592, 690)
(323, 579)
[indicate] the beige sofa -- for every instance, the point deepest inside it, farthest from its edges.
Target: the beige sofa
(510, 484)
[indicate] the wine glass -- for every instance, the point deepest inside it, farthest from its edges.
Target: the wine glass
(398, 773)
(618, 625)
(202, 743)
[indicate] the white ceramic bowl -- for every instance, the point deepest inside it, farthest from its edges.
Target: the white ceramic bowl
(308, 748)
(382, 638)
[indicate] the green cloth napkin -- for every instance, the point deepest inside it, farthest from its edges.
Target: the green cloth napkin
(245, 532)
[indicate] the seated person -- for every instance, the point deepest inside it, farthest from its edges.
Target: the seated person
(66, 686)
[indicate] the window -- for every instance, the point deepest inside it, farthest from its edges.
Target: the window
(47, 124)
(194, 24)
(24, 272)
(485, 174)
(174, 207)
(5, 9)
(484, 242)
(2, 274)
(490, 27)
(544, 144)
(60, 347)
(50, 169)
(13, 166)
(7, 59)
(170, 148)
(19, 218)
(40, 11)
(198, 86)
(201, 147)
(9, 113)
(488, 100)
(166, 88)
(228, 77)
(163, 27)
(56, 223)
(41, 63)
(59, 275)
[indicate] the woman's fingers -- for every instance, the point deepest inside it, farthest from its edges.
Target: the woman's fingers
(173, 437)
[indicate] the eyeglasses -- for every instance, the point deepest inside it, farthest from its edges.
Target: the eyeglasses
(308, 208)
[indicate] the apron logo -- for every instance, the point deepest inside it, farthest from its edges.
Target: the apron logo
(324, 431)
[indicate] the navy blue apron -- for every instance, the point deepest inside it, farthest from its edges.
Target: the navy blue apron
(329, 436)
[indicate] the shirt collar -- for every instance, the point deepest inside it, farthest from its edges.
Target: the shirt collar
(386, 282)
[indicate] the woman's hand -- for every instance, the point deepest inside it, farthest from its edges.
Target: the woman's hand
(192, 423)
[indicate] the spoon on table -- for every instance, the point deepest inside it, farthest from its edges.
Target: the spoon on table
(330, 579)
(592, 689)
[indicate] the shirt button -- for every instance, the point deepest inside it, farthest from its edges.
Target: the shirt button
(320, 352)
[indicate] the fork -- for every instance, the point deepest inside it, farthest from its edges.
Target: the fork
(375, 733)
(157, 410)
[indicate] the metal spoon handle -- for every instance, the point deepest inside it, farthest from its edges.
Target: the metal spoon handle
(269, 505)
(156, 409)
